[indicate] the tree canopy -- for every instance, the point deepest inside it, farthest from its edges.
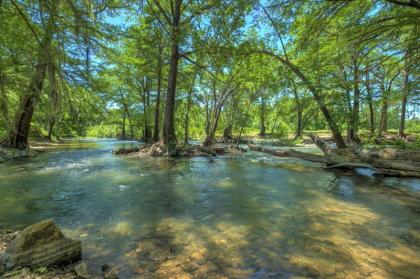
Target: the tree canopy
(176, 70)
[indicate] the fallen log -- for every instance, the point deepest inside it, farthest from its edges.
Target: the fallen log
(382, 162)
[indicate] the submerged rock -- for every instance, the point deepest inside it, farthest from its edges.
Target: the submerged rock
(108, 272)
(40, 245)
(81, 271)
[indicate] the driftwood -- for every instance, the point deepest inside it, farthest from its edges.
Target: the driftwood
(386, 162)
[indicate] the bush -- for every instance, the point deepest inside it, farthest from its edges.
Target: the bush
(103, 131)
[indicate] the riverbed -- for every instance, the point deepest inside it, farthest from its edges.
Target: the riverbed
(246, 216)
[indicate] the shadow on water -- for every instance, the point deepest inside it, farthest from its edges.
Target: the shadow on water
(240, 217)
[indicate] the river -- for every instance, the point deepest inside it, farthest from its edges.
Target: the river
(248, 216)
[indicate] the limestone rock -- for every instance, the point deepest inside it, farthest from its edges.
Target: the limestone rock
(41, 244)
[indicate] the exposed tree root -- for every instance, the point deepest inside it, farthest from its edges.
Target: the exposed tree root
(386, 162)
(158, 149)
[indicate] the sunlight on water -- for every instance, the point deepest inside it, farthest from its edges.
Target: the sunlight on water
(253, 216)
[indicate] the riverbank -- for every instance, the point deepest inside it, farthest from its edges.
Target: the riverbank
(13, 153)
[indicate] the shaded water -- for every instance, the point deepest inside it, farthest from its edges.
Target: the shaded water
(252, 216)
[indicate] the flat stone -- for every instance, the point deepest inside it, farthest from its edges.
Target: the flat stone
(40, 245)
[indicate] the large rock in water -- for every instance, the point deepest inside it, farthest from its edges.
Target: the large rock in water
(40, 245)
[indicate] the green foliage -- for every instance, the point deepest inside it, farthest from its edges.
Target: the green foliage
(104, 79)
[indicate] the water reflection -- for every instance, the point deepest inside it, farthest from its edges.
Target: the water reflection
(252, 216)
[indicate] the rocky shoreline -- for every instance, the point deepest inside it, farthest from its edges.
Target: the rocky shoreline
(41, 251)
(64, 272)
(13, 153)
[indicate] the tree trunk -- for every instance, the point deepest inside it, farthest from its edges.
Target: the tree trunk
(354, 119)
(262, 120)
(299, 108)
(212, 135)
(159, 85)
(50, 129)
(370, 103)
(130, 123)
(4, 108)
(26, 108)
(404, 99)
(299, 127)
(187, 117)
(168, 135)
(147, 135)
(19, 138)
(383, 124)
(217, 111)
(402, 119)
(123, 134)
(227, 132)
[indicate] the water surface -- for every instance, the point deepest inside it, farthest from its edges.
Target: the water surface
(251, 216)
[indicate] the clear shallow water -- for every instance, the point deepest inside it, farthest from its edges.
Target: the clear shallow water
(252, 216)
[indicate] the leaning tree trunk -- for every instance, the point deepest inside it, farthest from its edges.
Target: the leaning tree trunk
(317, 97)
(19, 138)
(27, 107)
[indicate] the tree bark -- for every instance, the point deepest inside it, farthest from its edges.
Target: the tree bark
(383, 124)
(130, 123)
(354, 119)
(404, 98)
(262, 118)
(187, 113)
(4, 108)
(147, 135)
(123, 134)
(159, 86)
(370, 104)
(299, 110)
(168, 135)
(50, 129)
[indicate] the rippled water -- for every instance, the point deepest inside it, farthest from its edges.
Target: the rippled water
(251, 216)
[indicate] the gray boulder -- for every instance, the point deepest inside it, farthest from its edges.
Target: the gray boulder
(40, 245)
